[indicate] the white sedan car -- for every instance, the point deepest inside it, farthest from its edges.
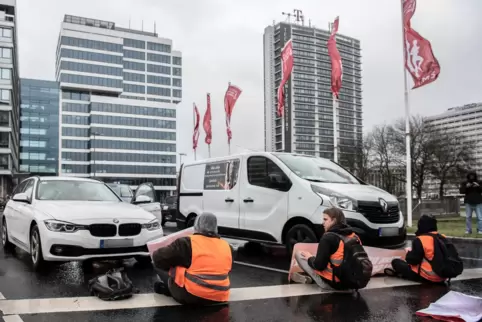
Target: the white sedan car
(61, 219)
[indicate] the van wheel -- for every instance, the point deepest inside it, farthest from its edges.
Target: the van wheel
(300, 233)
(190, 222)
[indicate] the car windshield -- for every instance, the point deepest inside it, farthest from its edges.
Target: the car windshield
(75, 190)
(317, 169)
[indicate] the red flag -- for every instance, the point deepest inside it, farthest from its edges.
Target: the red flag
(336, 65)
(195, 136)
(207, 122)
(420, 60)
(409, 7)
(230, 98)
(286, 68)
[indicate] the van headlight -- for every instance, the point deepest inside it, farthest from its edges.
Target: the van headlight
(152, 225)
(62, 226)
(335, 199)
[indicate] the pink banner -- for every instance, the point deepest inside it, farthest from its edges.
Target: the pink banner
(165, 241)
(381, 258)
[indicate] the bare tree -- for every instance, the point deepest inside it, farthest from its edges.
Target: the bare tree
(451, 154)
(384, 156)
(358, 159)
(422, 145)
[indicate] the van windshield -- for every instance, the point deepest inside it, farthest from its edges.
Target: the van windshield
(316, 169)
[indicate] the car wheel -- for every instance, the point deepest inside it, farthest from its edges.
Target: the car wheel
(144, 260)
(6, 244)
(190, 221)
(36, 254)
(300, 233)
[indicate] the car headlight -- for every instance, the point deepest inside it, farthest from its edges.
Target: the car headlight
(152, 225)
(335, 199)
(62, 226)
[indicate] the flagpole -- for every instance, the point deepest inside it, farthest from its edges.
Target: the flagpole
(194, 124)
(229, 140)
(408, 160)
(335, 121)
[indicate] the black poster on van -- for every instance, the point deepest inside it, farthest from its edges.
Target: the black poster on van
(221, 175)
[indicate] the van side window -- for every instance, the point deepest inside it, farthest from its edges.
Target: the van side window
(262, 171)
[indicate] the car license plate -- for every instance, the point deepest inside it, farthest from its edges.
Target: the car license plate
(116, 243)
(388, 231)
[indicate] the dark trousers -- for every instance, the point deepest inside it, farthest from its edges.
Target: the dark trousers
(404, 270)
(162, 286)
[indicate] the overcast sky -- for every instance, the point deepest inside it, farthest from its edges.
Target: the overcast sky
(222, 41)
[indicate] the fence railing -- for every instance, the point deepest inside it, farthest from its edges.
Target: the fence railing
(450, 206)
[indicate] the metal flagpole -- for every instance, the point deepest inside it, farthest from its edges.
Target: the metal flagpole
(194, 126)
(408, 187)
(209, 150)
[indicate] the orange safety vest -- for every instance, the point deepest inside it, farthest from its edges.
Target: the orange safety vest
(207, 277)
(425, 269)
(335, 260)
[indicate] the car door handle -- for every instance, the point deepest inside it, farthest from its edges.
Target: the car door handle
(229, 200)
(248, 200)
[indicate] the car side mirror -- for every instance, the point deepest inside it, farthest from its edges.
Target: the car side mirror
(142, 199)
(21, 197)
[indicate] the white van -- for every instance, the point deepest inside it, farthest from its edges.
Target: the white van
(279, 198)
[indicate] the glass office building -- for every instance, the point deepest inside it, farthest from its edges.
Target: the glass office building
(9, 98)
(307, 125)
(119, 93)
(39, 127)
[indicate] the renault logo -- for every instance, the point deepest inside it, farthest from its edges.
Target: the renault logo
(116, 221)
(384, 205)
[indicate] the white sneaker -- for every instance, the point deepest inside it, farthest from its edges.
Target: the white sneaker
(301, 278)
(468, 232)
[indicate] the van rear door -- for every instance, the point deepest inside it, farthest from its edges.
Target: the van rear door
(221, 192)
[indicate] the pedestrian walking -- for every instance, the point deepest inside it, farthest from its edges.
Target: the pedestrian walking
(472, 189)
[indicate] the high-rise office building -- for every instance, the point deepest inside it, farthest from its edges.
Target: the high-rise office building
(308, 121)
(9, 97)
(39, 127)
(119, 90)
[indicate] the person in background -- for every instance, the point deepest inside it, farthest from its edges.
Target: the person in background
(328, 268)
(472, 189)
(195, 269)
(416, 266)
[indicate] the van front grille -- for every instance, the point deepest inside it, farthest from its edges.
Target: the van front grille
(373, 211)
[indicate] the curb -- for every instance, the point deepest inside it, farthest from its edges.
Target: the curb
(455, 240)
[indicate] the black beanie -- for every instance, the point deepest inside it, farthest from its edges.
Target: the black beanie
(426, 224)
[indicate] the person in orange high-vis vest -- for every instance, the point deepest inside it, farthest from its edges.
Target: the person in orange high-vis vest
(195, 269)
(330, 252)
(416, 266)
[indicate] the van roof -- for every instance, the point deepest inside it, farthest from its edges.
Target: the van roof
(260, 153)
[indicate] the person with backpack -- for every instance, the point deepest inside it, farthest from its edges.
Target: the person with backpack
(340, 263)
(195, 269)
(432, 258)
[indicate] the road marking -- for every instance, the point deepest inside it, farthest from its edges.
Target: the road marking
(1, 296)
(471, 259)
(262, 267)
(82, 304)
(12, 318)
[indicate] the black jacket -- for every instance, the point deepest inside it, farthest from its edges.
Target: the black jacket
(179, 253)
(472, 189)
(328, 246)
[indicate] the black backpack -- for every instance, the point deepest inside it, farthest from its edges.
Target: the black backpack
(112, 286)
(355, 271)
(446, 261)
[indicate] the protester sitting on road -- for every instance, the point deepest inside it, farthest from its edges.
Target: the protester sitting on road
(432, 257)
(472, 189)
(195, 269)
(341, 262)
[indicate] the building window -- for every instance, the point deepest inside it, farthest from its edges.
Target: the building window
(132, 77)
(176, 71)
(126, 157)
(158, 80)
(74, 131)
(133, 110)
(90, 80)
(5, 95)
(77, 96)
(134, 54)
(5, 52)
(6, 32)
(134, 43)
(79, 120)
(159, 91)
(86, 55)
(5, 73)
(177, 93)
(132, 145)
(177, 82)
(130, 88)
(90, 68)
(158, 69)
(129, 133)
(176, 60)
(159, 47)
(160, 100)
(134, 66)
(92, 44)
(133, 121)
(159, 58)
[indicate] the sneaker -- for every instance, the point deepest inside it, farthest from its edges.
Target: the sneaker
(301, 278)
(468, 232)
(160, 288)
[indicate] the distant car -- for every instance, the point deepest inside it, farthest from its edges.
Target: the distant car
(145, 189)
(62, 219)
(169, 209)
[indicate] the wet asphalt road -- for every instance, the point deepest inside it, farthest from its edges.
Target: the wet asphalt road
(18, 281)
